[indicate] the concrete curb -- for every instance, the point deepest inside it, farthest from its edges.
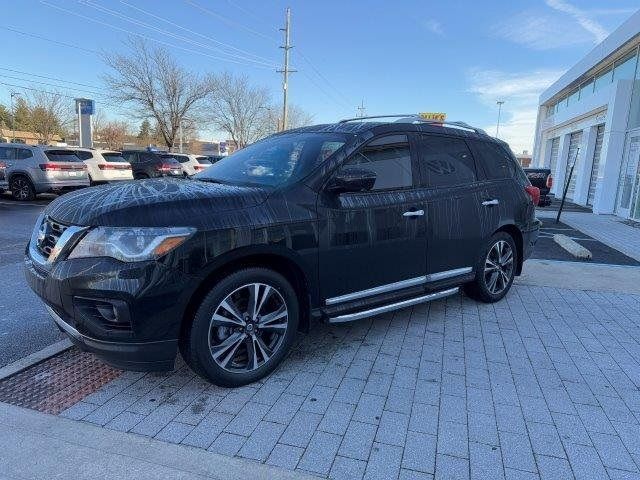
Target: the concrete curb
(34, 358)
(571, 246)
(595, 277)
(38, 445)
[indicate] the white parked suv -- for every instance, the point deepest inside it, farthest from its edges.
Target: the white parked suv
(30, 170)
(104, 165)
(191, 164)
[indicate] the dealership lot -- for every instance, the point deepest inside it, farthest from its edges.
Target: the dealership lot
(25, 327)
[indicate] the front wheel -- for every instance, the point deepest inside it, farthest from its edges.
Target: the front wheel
(495, 270)
(243, 328)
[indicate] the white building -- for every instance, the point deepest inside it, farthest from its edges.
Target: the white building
(594, 110)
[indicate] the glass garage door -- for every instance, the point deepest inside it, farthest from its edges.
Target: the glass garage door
(596, 164)
(553, 161)
(575, 140)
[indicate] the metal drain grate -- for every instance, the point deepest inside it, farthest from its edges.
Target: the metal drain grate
(58, 382)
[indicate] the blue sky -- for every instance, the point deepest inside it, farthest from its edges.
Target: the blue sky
(398, 56)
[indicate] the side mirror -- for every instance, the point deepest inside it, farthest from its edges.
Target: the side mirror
(352, 180)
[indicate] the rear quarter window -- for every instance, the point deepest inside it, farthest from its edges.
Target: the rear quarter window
(82, 155)
(113, 157)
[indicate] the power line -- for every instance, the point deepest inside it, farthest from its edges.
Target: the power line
(51, 84)
(146, 37)
(344, 101)
(39, 37)
(47, 77)
(207, 37)
(182, 38)
(229, 21)
(50, 92)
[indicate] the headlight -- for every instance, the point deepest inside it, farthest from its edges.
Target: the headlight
(130, 244)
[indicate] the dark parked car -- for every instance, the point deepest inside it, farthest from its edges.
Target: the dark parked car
(336, 222)
(147, 164)
(541, 178)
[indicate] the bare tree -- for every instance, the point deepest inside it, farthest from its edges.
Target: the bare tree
(114, 134)
(296, 117)
(98, 121)
(50, 115)
(151, 82)
(240, 109)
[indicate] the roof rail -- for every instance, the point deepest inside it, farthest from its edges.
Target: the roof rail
(416, 118)
(357, 119)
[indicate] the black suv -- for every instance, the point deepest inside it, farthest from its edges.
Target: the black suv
(336, 222)
(146, 164)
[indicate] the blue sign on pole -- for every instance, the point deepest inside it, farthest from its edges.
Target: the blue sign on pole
(84, 106)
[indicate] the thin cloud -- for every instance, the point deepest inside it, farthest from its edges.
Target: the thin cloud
(433, 26)
(520, 92)
(583, 19)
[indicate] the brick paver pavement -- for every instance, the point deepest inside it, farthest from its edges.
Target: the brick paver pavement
(543, 385)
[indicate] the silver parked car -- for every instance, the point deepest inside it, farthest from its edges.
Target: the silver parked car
(36, 169)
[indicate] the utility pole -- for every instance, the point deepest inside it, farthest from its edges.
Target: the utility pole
(500, 103)
(285, 70)
(361, 109)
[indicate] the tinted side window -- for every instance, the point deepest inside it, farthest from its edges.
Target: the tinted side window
(22, 153)
(494, 159)
(7, 153)
(447, 161)
(389, 157)
(130, 157)
(148, 157)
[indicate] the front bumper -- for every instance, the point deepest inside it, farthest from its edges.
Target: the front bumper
(152, 296)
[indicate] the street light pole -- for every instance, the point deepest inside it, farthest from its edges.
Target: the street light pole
(13, 120)
(500, 103)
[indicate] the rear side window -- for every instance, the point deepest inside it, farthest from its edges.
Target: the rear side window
(7, 153)
(447, 161)
(148, 157)
(113, 157)
(82, 155)
(61, 156)
(22, 153)
(203, 160)
(389, 157)
(494, 160)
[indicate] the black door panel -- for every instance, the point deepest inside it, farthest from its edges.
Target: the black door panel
(366, 239)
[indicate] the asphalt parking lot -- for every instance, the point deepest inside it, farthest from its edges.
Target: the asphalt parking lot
(547, 249)
(25, 327)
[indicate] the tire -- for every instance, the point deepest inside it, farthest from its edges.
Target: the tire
(22, 188)
(141, 176)
(234, 345)
(494, 277)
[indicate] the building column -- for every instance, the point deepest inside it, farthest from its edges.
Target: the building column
(583, 168)
(561, 166)
(615, 131)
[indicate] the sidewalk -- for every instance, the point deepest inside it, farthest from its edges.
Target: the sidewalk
(37, 445)
(609, 229)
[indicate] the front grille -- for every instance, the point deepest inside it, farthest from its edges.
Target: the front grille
(48, 236)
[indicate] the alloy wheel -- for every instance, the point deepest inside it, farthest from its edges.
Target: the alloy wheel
(248, 327)
(21, 188)
(498, 267)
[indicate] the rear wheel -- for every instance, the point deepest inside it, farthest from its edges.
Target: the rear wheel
(495, 270)
(141, 176)
(22, 188)
(243, 328)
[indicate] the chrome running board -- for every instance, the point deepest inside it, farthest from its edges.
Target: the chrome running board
(349, 317)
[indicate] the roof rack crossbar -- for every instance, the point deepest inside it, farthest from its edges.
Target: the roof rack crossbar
(417, 118)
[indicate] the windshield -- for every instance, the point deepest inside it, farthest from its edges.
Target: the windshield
(276, 160)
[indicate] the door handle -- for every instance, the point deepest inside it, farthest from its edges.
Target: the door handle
(413, 213)
(488, 203)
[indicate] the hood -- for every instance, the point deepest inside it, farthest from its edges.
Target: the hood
(152, 203)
